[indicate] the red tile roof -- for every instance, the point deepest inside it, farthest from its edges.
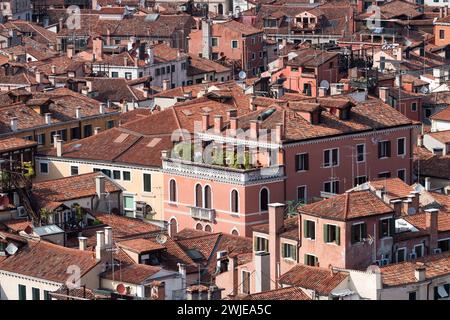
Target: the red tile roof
(350, 205)
(394, 187)
(11, 144)
(48, 261)
(131, 273)
(441, 136)
(321, 280)
(443, 115)
(140, 245)
(289, 293)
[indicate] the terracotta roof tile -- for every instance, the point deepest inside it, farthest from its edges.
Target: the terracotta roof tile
(131, 273)
(140, 245)
(11, 144)
(289, 293)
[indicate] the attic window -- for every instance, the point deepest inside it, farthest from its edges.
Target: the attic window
(121, 138)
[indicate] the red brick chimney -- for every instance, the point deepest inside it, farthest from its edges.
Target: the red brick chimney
(205, 121)
(254, 129)
(276, 223)
(431, 224)
(218, 124)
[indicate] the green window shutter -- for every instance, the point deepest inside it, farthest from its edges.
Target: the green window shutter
(294, 256)
(283, 250)
(364, 230)
(305, 228)
(305, 259)
(325, 233)
(338, 236)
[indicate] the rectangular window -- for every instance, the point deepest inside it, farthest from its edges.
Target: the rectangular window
(331, 187)
(442, 292)
(183, 67)
(261, 244)
(116, 174)
(128, 205)
(384, 175)
(22, 292)
(331, 158)
(301, 194)
(168, 69)
(414, 106)
(359, 180)
(52, 136)
(289, 251)
(358, 232)
(43, 167)
(361, 153)
(234, 44)
(172, 68)
(126, 175)
(418, 249)
(401, 146)
(401, 254)
(75, 133)
(311, 260)
(87, 130)
(41, 139)
(412, 295)
(441, 34)
(114, 74)
(331, 234)
(73, 170)
(128, 75)
(214, 42)
(158, 72)
(62, 134)
(387, 227)
(147, 182)
(302, 162)
(36, 293)
(109, 124)
(245, 282)
(107, 172)
(163, 70)
(401, 174)
(444, 245)
(384, 149)
(309, 229)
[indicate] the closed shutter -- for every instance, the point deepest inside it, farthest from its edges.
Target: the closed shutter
(297, 162)
(364, 230)
(305, 259)
(283, 250)
(380, 148)
(325, 233)
(305, 228)
(306, 161)
(388, 148)
(338, 235)
(353, 233)
(391, 227)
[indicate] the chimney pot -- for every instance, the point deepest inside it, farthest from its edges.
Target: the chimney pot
(383, 93)
(48, 118)
(279, 132)
(55, 140)
(165, 85)
(59, 145)
(97, 130)
(14, 122)
(322, 91)
(108, 237)
(427, 183)
(78, 113)
(420, 273)
(82, 243)
(100, 244)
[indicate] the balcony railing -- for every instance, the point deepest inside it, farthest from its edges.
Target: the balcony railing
(222, 174)
(203, 213)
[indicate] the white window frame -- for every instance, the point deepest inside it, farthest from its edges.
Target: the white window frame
(423, 250)
(404, 147)
(237, 44)
(364, 153)
(383, 172)
(385, 157)
(331, 184)
(389, 230)
(306, 192)
(143, 182)
(249, 282)
(313, 255)
(78, 170)
(290, 258)
(315, 233)
(331, 158)
(355, 224)
(334, 225)
(404, 256)
(134, 202)
(39, 140)
(217, 39)
(414, 109)
(297, 155)
(48, 167)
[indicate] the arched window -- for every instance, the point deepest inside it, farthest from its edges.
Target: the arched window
(220, 8)
(173, 227)
(198, 226)
(198, 196)
(264, 199)
(235, 232)
(234, 201)
(208, 228)
(173, 191)
(208, 197)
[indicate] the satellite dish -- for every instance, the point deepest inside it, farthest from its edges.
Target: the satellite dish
(121, 288)
(11, 249)
(325, 84)
(411, 211)
(424, 90)
(242, 75)
(161, 238)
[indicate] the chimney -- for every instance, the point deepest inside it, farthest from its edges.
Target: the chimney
(431, 224)
(206, 39)
(38, 76)
(53, 69)
(59, 145)
(182, 272)
(48, 118)
(279, 132)
(89, 85)
(205, 121)
(233, 126)
(427, 183)
(158, 290)
(415, 197)
(254, 129)
(14, 122)
(70, 51)
(165, 84)
(100, 246)
(419, 273)
(252, 101)
(97, 130)
(441, 13)
(55, 140)
(78, 113)
(108, 237)
(97, 48)
(218, 124)
(82, 241)
(276, 223)
(100, 186)
(397, 204)
(262, 271)
(101, 108)
(383, 94)
(233, 272)
(322, 91)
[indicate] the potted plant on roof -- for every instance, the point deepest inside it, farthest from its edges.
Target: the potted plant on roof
(45, 215)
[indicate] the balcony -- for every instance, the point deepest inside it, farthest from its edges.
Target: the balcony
(203, 213)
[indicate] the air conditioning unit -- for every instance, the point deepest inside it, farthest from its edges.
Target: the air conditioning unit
(412, 256)
(437, 250)
(21, 212)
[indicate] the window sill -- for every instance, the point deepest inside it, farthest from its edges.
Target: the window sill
(310, 239)
(333, 243)
(289, 260)
(383, 158)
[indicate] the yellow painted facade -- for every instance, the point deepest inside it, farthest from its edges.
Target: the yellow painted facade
(62, 167)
